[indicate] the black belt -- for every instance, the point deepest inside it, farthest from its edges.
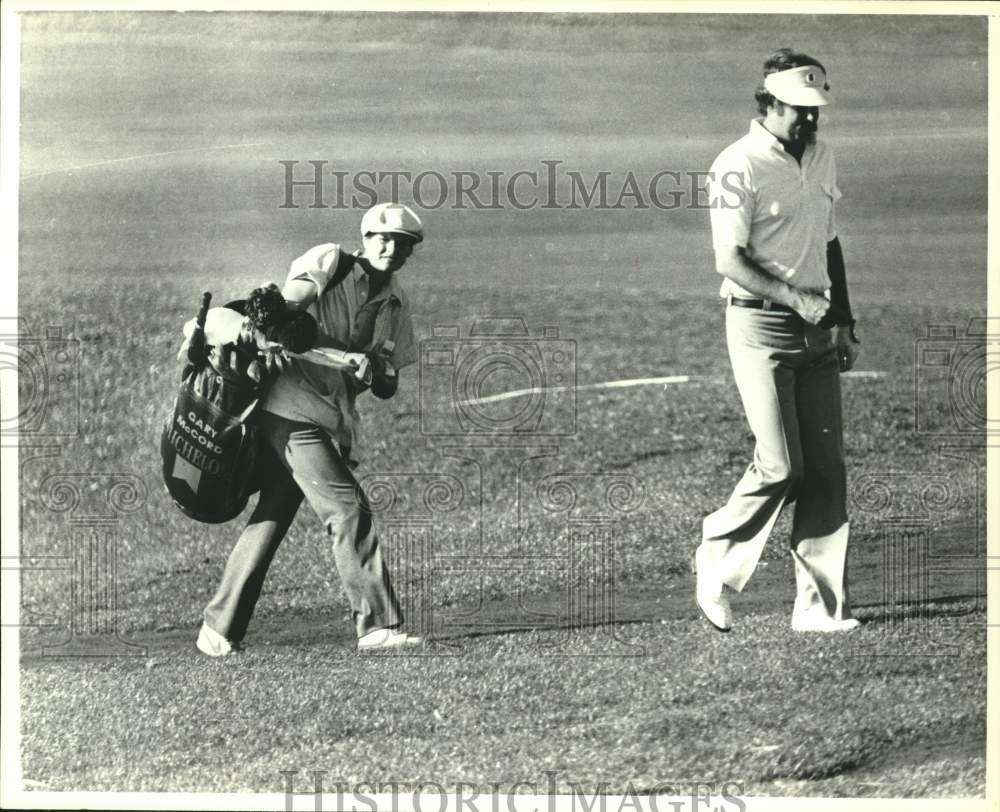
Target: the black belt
(760, 304)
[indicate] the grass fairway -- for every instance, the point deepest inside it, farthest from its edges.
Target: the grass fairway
(695, 705)
(566, 637)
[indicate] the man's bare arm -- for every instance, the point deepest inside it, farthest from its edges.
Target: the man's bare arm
(735, 265)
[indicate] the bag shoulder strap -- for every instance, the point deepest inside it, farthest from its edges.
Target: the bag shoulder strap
(345, 264)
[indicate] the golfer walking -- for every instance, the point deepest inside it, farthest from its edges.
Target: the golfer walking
(790, 334)
(308, 423)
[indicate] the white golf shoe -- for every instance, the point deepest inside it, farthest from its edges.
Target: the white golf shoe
(212, 643)
(817, 620)
(710, 593)
(384, 639)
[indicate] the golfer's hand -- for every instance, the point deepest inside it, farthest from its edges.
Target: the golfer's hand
(811, 306)
(275, 356)
(847, 350)
(364, 371)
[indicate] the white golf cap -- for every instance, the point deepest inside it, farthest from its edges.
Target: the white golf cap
(392, 218)
(804, 87)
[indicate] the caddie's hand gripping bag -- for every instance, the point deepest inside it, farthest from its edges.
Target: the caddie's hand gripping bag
(208, 445)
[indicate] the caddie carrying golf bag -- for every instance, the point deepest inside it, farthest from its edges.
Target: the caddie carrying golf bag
(209, 443)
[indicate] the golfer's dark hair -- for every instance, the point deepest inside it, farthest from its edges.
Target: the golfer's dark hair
(264, 304)
(295, 330)
(782, 59)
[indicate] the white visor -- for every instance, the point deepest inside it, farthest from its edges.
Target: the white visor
(804, 87)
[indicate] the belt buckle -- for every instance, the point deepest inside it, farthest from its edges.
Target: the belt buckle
(765, 305)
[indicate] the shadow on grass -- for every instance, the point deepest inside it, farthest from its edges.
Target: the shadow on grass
(944, 606)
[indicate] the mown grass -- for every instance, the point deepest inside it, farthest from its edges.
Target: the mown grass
(683, 446)
(771, 710)
(782, 714)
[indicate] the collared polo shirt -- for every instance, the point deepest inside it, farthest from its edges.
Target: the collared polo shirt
(348, 319)
(781, 212)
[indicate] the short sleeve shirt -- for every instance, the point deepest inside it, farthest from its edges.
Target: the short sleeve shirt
(781, 212)
(348, 319)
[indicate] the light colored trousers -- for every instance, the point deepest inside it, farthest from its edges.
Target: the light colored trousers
(305, 462)
(788, 376)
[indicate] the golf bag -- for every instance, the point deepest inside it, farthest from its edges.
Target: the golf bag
(209, 441)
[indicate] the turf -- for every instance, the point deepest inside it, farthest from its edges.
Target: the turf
(697, 706)
(150, 172)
